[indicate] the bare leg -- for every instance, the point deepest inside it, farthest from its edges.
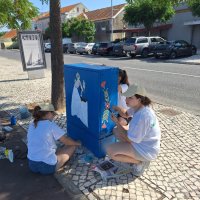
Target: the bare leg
(63, 155)
(122, 152)
(124, 158)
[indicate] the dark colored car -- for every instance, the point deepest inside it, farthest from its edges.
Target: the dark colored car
(118, 49)
(95, 48)
(65, 47)
(105, 48)
(173, 49)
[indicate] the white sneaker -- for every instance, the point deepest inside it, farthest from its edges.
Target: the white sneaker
(138, 169)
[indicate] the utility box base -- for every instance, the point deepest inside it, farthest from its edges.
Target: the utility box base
(96, 146)
(36, 74)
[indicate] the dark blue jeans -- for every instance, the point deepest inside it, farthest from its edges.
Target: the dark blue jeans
(41, 167)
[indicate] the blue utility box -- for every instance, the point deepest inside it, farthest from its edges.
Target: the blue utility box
(90, 91)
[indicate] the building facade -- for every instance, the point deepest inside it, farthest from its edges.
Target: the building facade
(108, 26)
(185, 26)
(68, 12)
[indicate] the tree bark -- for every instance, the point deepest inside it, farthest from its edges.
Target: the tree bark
(57, 91)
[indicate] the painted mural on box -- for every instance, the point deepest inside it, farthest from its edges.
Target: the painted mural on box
(106, 105)
(79, 105)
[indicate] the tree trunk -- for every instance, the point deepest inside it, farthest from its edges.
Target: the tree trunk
(57, 91)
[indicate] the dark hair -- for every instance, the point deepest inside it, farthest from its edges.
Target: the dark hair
(124, 77)
(144, 100)
(38, 115)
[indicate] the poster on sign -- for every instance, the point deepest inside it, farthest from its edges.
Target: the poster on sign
(31, 49)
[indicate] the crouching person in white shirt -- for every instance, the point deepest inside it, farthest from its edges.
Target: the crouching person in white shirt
(140, 144)
(43, 155)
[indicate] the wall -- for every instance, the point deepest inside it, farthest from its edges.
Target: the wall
(179, 31)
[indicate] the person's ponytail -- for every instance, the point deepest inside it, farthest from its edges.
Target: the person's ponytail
(38, 115)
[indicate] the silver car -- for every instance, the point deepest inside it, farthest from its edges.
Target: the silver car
(85, 48)
(72, 47)
(141, 45)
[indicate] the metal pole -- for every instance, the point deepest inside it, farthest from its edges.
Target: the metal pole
(111, 21)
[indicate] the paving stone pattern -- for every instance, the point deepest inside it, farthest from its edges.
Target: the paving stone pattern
(174, 175)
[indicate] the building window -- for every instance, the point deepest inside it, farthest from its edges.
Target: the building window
(77, 9)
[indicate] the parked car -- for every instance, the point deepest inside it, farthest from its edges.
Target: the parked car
(118, 49)
(173, 49)
(141, 45)
(47, 47)
(65, 47)
(85, 48)
(72, 48)
(95, 48)
(105, 48)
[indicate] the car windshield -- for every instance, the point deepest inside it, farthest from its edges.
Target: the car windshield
(169, 42)
(83, 45)
(96, 45)
(131, 40)
(103, 45)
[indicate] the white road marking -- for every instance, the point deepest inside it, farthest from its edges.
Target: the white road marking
(173, 73)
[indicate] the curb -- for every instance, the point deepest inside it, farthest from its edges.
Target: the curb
(182, 62)
(70, 188)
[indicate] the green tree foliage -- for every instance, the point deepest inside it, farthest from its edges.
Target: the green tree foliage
(83, 28)
(66, 32)
(195, 7)
(17, 14)
(2, 33)
(147, 12)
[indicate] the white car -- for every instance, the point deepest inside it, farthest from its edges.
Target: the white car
(47, 47)
(85, 48)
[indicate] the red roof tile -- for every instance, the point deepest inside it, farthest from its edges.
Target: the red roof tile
(103, 13)
(62, 10)
(10, 34)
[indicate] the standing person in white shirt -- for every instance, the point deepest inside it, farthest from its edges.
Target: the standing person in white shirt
(140, 144)
(43, 155)
(123, 85)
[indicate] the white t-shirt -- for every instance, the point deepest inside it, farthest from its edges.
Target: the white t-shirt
(121, 98)
(41, 141)
(144, 132)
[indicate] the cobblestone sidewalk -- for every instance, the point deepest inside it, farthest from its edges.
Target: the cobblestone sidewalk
(174, 175)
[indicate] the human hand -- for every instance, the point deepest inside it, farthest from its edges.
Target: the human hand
(114, 118)
(115, 108)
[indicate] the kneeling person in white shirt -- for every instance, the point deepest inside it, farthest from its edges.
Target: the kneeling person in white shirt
(43, 155)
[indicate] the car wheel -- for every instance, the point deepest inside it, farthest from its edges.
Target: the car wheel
(132, 55)
(110, 53)
(173, 55)
(145, 53)
(157, 56)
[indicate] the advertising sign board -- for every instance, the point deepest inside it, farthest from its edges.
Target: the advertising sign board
(32, 50)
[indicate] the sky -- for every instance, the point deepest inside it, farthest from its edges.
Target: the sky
(90, 4)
